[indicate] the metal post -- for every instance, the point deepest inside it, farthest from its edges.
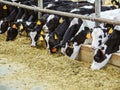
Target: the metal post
(40, 4)
(97, 9)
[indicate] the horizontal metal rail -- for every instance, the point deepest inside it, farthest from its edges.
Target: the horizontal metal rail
(61, 13)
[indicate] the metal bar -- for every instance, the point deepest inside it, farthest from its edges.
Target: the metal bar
(61, 13)
(97, 10)
(40, 5)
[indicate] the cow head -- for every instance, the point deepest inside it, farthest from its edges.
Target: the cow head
(51, 41)
(12, 32)
(51, 23)
(102, 56)
(73, 46)
(35, 32)
(100, 36)
(100, 59)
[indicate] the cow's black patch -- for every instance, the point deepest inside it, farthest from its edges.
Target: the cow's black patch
(69, 51)
(99, 57)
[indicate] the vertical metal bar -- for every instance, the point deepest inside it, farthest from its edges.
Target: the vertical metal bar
(97, 9)
(40, 4)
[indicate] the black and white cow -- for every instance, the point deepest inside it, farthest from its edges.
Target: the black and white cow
(35, 32)
(56, 36)
(11, 32)
(101, 33)
(51, 23)
(4, 23)
(72, 47)
(90, 25)
(103, 55)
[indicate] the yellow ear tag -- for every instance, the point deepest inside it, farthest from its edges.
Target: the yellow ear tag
(4, 7)
(61, 20)
(88, 36)
(14, 26)
(41, 38)
(21, 26)
(55, 36)
(42, 32)
(110, 31)
(38, 22)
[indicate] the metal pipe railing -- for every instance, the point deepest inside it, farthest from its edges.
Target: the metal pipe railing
(61, 13)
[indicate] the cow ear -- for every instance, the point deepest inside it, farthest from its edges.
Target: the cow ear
(110, 31)
(21, 26)
(4, 7)
(55, 36)
(89, 36)
(38, 22)
(61, 20)
(14, 26)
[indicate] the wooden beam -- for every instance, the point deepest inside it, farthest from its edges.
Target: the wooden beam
(86, 54)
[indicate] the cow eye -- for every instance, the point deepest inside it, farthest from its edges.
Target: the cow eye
(100, 36)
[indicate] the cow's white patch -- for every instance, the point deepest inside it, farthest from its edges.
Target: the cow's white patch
(19, 20)
(63, 49)
(74, 10)
(49, 5)
(1, 23)
(8, 28)
(13, 0)
(117, 27)
(50, 17)
(45, 28)
(47, 40)
(75, 51)
(88, 7)
(91, 1)
(32, 35)
(28, 23)
(98, 35)
(73, 22)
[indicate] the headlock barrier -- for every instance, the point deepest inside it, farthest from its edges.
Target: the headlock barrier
(61, 13)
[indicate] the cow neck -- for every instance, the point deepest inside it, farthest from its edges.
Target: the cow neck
(19, 14)
(30, 18)
(23, 16)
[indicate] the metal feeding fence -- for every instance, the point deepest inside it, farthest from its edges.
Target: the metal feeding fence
(39, 9)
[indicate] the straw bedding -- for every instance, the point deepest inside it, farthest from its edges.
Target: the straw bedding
(37, 69)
